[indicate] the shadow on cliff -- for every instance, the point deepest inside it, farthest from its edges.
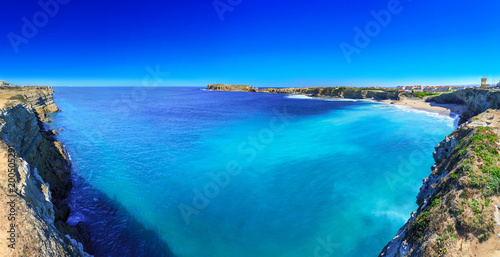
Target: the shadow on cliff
(113, 231)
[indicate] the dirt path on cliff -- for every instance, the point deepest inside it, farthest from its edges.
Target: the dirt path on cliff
(4, 249)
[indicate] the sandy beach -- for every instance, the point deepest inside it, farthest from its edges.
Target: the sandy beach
(442, 109)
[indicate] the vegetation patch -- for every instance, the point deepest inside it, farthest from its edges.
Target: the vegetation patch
(423, 94)
(450, 233)
(467, 209)
(441, 247)
(420, 225)
(436, 202)
(483, 176)
(18, 97)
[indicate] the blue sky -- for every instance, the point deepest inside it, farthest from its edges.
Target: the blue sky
(265, 43)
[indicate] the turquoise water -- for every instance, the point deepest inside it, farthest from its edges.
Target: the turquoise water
(187, 172)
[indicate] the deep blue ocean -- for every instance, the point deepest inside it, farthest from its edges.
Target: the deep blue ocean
(187, 172)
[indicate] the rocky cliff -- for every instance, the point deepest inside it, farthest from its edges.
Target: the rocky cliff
(41, 101)
(338, 92)
(477, 100)
(35, 178)
(458, 213)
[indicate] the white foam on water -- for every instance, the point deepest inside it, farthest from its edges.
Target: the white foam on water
(75, 218)
(401, 217)
(306, 97)
(298, 97)
(452, 119)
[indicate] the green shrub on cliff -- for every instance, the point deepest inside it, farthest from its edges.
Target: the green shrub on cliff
(436, 202)
(419, 226)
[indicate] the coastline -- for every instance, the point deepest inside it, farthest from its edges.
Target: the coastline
(46, 105)
(458, 210)
(451, 110)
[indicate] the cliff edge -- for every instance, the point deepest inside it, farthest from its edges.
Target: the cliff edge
(35, 179)
(476, 100)
(458, 213)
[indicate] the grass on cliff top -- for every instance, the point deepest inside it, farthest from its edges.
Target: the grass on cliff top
(423, 94)
(483, 179)
(462, 206)
(2, 88)
(18, 97)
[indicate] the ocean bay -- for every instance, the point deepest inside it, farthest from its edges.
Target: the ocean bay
(341, 172)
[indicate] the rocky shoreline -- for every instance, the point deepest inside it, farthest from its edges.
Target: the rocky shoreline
(445, 108)
(340, 92)
(42, 181)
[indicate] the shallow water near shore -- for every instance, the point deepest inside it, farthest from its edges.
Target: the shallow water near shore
(241, 174)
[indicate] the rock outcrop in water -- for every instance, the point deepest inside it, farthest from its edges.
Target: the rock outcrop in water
(38, 183)
(339, 92)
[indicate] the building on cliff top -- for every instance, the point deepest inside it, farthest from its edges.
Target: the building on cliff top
(483, 83)
(5, 83)
(410, 89)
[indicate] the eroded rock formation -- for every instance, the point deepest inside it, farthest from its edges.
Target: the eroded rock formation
(42, 180)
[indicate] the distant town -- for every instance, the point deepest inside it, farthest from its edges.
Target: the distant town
(436, 89)
(440, 89)
(7, 85)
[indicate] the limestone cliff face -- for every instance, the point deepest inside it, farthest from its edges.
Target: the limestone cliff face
(41, 101)
(20, 130)
(477, 100)
(42, 179)
(314, 91)
(457, 213)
